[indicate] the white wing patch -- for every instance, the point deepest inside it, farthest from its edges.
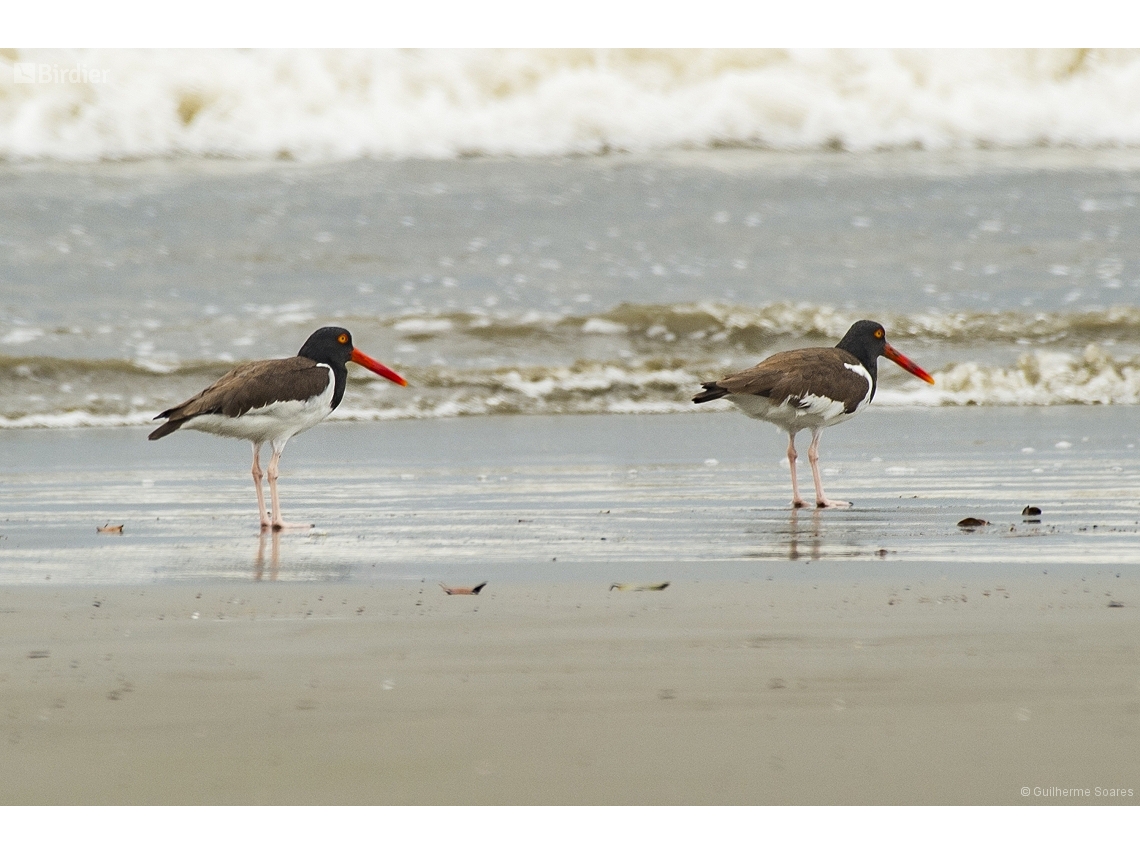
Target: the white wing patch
(823, 408)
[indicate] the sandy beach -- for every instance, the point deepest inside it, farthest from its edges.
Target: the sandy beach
(780, 683)
(880, 655)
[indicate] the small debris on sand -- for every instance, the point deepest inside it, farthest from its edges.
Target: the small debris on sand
(626, 586)
(462, 591)
(109, 529)
(971, 522)
(1031, 511)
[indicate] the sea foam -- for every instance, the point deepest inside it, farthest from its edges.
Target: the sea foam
(652, 358)
(1039, 378)
(333, 105)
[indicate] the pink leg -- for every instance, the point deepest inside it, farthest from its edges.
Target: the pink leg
(821, 501)
(797, 502)
(265, 521)
(271, 475)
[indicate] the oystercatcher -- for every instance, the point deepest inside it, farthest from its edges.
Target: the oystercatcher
(274, 400)
(812, 388)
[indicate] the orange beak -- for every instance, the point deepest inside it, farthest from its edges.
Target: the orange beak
(383, 370)
(900, 360)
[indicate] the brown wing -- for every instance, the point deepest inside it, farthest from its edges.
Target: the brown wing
(793, 375)
(248, 387)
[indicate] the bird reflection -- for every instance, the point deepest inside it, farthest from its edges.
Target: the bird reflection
(794, 535)
(274, 554)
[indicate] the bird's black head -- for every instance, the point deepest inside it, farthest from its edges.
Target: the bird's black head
(866, 341)
(330, 345)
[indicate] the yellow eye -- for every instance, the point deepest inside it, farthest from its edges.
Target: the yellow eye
(878, 333)
(342, 338)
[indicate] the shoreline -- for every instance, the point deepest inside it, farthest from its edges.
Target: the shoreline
(557, 489)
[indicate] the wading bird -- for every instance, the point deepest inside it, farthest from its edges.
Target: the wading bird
(274, 400)
(812, 388)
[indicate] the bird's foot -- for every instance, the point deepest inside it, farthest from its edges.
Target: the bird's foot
(829, 503)
(800, 503)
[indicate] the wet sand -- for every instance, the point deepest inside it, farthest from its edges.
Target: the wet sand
(532, 490)
(780, 684)
(880, 655)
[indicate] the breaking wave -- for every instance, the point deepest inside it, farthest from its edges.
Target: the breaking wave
(1035, 378)
(85, 105)
(756, 328)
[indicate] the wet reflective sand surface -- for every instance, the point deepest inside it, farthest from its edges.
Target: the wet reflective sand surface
(545, 490)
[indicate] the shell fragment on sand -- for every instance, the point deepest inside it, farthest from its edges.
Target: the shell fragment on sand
(461, 591)
(109, 529)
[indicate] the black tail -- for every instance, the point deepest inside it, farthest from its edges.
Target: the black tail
(168, 428)
(711, 393)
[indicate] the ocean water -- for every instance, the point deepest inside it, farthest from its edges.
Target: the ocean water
(562, 232)
(602, 284)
